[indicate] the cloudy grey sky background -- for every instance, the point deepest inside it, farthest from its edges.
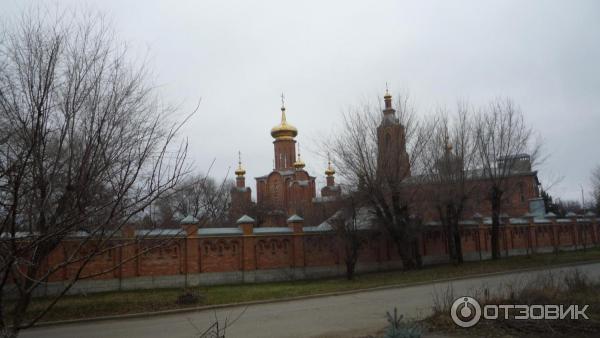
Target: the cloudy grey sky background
(238, 56)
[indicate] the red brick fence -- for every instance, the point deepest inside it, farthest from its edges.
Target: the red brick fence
(247, 254)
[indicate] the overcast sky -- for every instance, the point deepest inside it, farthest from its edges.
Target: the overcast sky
(238, 56)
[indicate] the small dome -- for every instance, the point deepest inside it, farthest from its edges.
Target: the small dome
(387, 94)
(240, 171)
(329, 171)
(299, 164)
(284, 130)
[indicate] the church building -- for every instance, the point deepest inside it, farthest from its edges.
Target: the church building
(288, 189)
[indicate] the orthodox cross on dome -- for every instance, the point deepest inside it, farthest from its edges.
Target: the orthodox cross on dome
(283, 119)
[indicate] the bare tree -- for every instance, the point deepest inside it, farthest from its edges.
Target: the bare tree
(502, 140)
(85, 147)
(379, 173)
(448, 161)
(348, 233)
(201, 196)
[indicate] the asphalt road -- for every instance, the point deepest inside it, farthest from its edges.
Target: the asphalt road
(332, 316)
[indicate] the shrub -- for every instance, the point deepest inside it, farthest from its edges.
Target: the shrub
(189, 297)
(399, 329)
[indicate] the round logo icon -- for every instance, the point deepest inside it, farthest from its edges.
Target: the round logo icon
(465, 312)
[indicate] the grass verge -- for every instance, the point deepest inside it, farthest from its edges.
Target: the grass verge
(547, 288)
(127, 302)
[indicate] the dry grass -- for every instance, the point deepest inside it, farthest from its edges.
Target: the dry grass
(574, 288)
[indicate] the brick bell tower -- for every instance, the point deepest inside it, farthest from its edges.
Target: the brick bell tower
(241, 195)
(392, 159)
(284, 144)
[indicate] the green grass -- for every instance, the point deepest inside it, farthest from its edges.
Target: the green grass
(125, 302)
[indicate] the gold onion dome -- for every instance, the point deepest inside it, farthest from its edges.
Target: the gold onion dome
(387, 94)
(284, 130)
(299, 164)
(329, 171)
(240, 171)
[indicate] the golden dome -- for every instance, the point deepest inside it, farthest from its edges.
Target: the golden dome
(299, 164)
(240, 171)
(387, 95)
(284, 130)
(329, 171)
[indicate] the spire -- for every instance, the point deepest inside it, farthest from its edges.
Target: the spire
(299, 164)
(387, 93)
(283, 109)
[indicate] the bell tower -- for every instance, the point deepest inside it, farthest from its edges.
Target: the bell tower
(392, 159)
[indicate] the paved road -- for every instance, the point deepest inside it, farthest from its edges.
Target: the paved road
(332, 316)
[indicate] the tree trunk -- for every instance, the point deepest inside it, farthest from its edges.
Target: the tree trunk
(457, 244)
(350, 265)
(449, 237)
(495, 237)
(409, 254)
